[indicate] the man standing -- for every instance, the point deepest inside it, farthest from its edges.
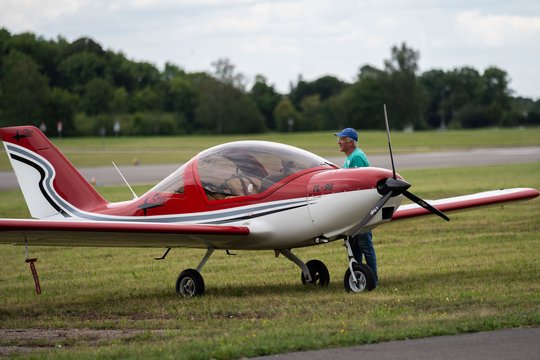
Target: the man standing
(360, 244)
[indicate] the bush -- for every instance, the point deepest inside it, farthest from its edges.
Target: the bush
(131, 124)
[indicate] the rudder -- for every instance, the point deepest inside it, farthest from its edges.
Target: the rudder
(50, 184)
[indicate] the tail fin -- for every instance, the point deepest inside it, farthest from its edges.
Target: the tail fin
(51, 185)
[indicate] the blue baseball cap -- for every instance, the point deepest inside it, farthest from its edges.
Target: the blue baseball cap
(348, 132)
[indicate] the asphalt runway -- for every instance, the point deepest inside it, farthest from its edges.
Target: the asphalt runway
(508, 344)
(151, 174)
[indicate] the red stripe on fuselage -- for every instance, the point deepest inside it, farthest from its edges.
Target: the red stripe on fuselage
(121, 227)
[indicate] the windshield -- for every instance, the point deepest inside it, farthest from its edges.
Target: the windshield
(250, 167)
(173, 183)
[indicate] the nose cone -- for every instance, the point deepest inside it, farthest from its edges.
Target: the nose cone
(397, 186)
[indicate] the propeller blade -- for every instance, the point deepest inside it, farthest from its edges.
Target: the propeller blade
(389, 142)
(398, 186)
(425, 205)
(378, 206)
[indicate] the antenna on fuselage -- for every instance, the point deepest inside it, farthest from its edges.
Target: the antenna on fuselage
(123, 178)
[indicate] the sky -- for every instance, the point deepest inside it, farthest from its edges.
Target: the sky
(285, 39)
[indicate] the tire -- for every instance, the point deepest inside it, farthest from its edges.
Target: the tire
(190, 283)
(365, 277)
(319, 274)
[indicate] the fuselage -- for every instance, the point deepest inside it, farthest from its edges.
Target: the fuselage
(286, 196)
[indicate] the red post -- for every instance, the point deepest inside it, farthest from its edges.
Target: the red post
(34, 274)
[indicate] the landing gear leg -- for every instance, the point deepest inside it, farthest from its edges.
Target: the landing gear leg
(314, 272)
(190, 282)
(358, 277)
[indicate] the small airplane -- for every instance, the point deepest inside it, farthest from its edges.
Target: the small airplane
(245, 195)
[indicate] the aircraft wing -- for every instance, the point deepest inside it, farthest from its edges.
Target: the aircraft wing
(488, 198)
(117, 233)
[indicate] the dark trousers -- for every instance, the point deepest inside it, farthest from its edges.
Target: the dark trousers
(362, 244)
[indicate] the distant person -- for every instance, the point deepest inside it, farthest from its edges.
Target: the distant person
(360, 244)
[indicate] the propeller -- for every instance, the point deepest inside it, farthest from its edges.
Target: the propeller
(392, 187)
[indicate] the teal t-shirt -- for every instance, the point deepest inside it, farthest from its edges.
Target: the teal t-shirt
(356, 159)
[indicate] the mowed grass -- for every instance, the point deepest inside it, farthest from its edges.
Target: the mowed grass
(178, 149)
(479, 272)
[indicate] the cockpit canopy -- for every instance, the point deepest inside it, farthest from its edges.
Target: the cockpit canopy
(243, 168)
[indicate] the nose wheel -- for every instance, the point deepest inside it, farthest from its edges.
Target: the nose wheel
(360, 279)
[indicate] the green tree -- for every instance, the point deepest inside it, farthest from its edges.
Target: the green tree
(436, 92)
(266, 98)
(43, 52)
(5, 36)
(328, 86)
(172, 71)
(85, 78)
(83, 45)
(120, 101)
(285, 115)
(24, 91)
(120, 72)
(145, 100)
(476, 116)
(325, 87)
(524, 111)
(299, 91)
(222, 105)
(481, 100)
(61, 107)
(311, 117)
(78, 69)
(224, 109)
(495, 87)
(405, 94)
(145, 75)
(97, 97)
(179, 95)
(465, 85)
(334, 112)
(362, 103)
(224, 72)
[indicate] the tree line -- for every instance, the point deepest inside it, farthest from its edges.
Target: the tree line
(92, 91)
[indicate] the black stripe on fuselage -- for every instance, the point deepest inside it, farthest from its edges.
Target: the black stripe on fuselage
(247, 217)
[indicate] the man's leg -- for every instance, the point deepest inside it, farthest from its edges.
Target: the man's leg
(355, 247)
(364, 243)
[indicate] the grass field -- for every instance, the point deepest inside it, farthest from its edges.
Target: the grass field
(165, 150)
(479, 272)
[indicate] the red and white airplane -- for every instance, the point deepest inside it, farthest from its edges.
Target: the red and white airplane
(247, 195)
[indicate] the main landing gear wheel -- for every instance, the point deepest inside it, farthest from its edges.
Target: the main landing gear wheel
(190, 283)
(365, 279)
(319, 274)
